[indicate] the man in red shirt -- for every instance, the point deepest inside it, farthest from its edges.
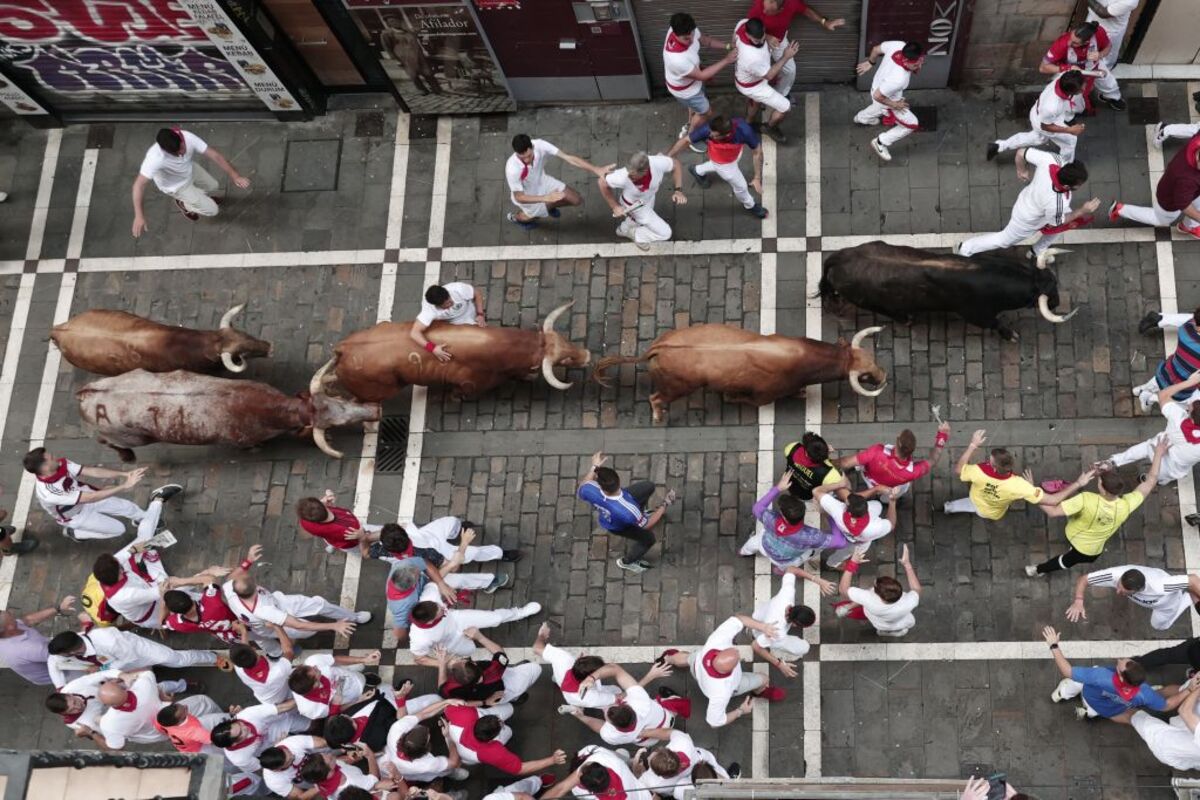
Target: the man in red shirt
(1177, 195)
(1084, 48)
(340, 529)
(777, 16)
(204, 613)
(481, 739)
(891, 466)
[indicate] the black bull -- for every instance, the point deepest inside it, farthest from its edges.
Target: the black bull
(899, 282)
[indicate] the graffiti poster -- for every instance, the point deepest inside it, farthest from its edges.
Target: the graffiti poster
(88, 55)
(434, 54)
(16, 100)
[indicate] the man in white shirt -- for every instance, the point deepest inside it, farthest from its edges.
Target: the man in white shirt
(682, 73)
(323, 685)
(407, 748)
(433, 626)
(861, 521)
(281, 764)
(169, 164)
(134, 700)
(898, 62)
(266, 678)
(78, 703)
(1182, 431)
(275, 619)
(667, 769)
(886, 606)
(252, 730)
(717, 669)
(63, 492)
(636, 718)
(1167, 596)
(602, 773)
(1049, 120)
(1113, 16)
(1044, 206)
(533, 192)
(575, 676)
(455, 303)
(754, 72)
(637, 183)
(113, 649)
(133, 581)
(781, 611)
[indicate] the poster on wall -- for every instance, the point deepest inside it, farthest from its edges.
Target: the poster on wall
(435, 55)
(16, 100)
(102, 55)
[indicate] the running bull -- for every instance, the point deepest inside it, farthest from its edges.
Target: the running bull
(141, 408)
(377, 363)
(901, 281)
(748, 367)
(110, 342)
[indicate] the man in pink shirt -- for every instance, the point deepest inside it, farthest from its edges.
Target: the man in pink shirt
(891, 466)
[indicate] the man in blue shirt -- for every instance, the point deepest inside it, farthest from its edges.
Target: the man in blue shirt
(623, 511)
(1112, 693)
(726, 139)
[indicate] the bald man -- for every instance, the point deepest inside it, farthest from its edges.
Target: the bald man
(134, 700)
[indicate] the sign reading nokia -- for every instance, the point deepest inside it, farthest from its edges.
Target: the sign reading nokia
(937, 24)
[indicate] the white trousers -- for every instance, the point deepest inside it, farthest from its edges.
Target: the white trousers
(1115, 37)
(964, 505)
(1156, 215)
(763, 93)
(1036, 136)
(1172, 744)
(98, 520)
(1180, 131)
(786, 76)
(1106, 84)
(518, 679)
(1013, 234)
(195, 195)
(731, 173)
(300, 606)
(153, 654)
(436, 535)
(530, 786)
(472, 581)
(872, 114)
(1144, 451)
(790, 647)
(644, 226)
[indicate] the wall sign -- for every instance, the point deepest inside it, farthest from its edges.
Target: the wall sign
(16, 100)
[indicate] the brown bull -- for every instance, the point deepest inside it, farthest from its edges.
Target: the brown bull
(140, 408)
(375, 364)
(747, 367)
(114, 342)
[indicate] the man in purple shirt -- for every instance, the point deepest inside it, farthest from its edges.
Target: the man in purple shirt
(784, 538)
(24, 649)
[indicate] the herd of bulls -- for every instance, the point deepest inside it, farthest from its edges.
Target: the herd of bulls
(160, 388)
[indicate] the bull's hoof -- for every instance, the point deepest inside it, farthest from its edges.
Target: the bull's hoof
(1149, 323)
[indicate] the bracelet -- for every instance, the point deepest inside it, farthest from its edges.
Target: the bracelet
(679, 188)
(941, 439)
(1054, 646)
(430, 346)
(246, 565)
(852, 566)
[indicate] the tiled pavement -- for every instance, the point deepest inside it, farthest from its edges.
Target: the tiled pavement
(419, 199)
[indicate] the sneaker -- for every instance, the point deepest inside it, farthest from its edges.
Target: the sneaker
(372, 679)
(512, 555)
(1115, 103)
(28, 544)
(1149, 323)
(664, 655)
(498, 582)
(843, 609)
(3, 196)
(684, 131)
(634, 567)
(189, 214)
(772, 694)
(1193, 520)
(643, 246)
(1057, 695)
(1114, 211)
(1193, 232)
(1031, 571)
(881, 150)
(362, 617)
(1081, 713)
(525, 225)
(993, 149)
(1141, 477)
(644, 564)
(752, 546)
(758, 211)
(1106, 465)
(666, 691)
(554, 213)
(703, 180)
(734, 769)
(776, 133)
(529, 609)
(1160, 134)
(1146, 400)
(166, 492)
(329, 548)
(567, 709)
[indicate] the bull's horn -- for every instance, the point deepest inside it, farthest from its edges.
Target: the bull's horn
(864, 333)
(1047, 257)
(238, 365)
(548, 369)
(1044, 307)
(314, 385)
(319, 440)
(228, 318)
(548, 325)
(858, 387)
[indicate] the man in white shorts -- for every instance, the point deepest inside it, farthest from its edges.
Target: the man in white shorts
(637, 184)
(898, 62)
(433, 626)
(533, 192)
(455, 303)
(1044, 206)
(1048, 120)
(169, 164)
(754, 72)
(886, 606)
(782, 650)
(575, 677)
(717, 669)
(62, 490)
(860, 520)
(682, 72)
(1167, 596)
(1183, 432)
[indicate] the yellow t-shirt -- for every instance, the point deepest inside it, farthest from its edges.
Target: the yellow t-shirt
(1091, 519)
(992, 495)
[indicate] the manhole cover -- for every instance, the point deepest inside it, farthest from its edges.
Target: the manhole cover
(927, 116)
(393, 445)
(311, 165)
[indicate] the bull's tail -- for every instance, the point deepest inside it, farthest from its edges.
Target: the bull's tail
(825, 290)
(608, 362)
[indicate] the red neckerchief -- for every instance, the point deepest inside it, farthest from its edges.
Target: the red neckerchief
(425, 625)
(1058, 91)
(785, 528)
(260, 670)
(1190, 431)
(1123, 689)
(855, 525)
(407, 552)
(182, 141)
(800, 456)
(525, 168)
(987, 469)
(130, 703)
(673, 44)
(68, 717)
(360, 724)
(1059, 187)
(643, 183)
(569, 682)
(322, 692)
(110, 589)
(684, 761)
(329, 786)
(745, 38)
(616, 789)
(394, 593)
(59, 473)
(1193, 151)
(911, 66)
(249, 740)
(707, 660)
(94, 659)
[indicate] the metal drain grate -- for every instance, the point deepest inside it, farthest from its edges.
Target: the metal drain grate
(393, 445)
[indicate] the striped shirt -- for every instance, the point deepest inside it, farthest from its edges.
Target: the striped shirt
(1162, 588)
(1183, 362)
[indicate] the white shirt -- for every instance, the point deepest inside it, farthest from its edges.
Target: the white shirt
(630, 193)
(689, 756)
(1050, 108)
(348, 685)
(718, 689)
(87, 687)
(273, 688)
(1183, 455)
(268, 608)
(352, 776)
(521, 178)
(1162, 589)
(426, 768)
(648, 715)
(608, 759)
(138, 600)
(281, 781)
(597, 696)
(877, 528)
(886, 617)
(172, 173)
(774, 612)
(677, 65)
(461, 310)
(1118, 19)
(136, 725)
(262, 718)
(58, 495)
(890, 79)
(114, 650)
(445, 632)
(1039, 204)
(753, 63)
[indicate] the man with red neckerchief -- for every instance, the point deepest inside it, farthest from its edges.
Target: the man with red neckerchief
(667, 768)
(777, 16)
(1085, 47)
(754, 73)
(200, 612)
(252, 730)
(637, 718)
(1049, 120)
(266, 678)
(323, 686)
(898, 62)
(134, 700)
(994, 486)
(860, 520)
(600, 774)
(636, 185)
(1176, 196)
(891, 466)
(481, 738)
(133, 581)
(682, 73)
(1183, 433)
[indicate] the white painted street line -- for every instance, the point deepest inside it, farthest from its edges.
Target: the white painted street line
(41, 203)
(309, 258)
(812, 164)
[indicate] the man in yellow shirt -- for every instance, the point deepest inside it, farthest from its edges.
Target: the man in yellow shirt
(1092, 518)
(994, 486)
